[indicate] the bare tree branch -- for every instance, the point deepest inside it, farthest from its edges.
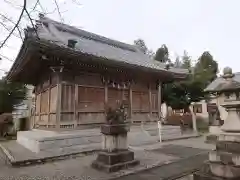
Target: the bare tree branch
(34, 7)
(13, 4)
(5, 57)
(9, 30)
(59, 13)
(76, 2)
(8, 19)
(16, 25)
(31, 22)
(3, 70)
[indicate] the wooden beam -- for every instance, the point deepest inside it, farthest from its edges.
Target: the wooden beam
(75, 106)
(159, 99)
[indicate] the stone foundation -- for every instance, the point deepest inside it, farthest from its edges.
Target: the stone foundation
(42, 140)
(114, 161)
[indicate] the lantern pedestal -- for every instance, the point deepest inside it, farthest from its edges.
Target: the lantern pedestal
(224, 161)
(115, 154)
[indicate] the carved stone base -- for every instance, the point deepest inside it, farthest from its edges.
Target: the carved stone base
(224, 162)
(211, 139)
(114, 161)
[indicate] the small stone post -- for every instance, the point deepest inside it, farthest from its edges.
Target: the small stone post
(224, 162)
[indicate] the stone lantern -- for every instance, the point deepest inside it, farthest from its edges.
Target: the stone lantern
(224, 161)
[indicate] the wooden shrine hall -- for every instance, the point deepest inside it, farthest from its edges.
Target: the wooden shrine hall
(77, 73)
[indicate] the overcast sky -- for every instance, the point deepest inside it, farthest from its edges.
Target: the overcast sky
(192, 25)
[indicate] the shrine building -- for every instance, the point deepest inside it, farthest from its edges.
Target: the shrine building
(77, 73)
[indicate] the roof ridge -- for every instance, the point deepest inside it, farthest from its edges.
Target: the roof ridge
(89, 35)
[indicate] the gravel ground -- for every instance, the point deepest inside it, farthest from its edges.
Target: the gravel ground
(80, 167)
(75, 168)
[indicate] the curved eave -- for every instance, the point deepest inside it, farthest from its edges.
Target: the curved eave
(21, 59)
(31, 45)
(62, 50)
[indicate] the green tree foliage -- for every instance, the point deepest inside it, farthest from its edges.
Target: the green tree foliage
(179, 95)
(162, 54)
(140, 43)
(206, 68)
(177, 63)
(11, 94)
(186, 61)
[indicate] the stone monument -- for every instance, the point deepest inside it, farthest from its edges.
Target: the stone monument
(115, 154)
(224, 161)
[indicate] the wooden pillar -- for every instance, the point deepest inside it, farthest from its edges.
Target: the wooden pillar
(130, 102)
(150, 99)
(105, 93)
(49, 101)
(59, 102)
(39, 113)
(58, 70)
(75, 106)
(159, 99)
(35, 110)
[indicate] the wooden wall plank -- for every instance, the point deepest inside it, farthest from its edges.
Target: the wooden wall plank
(140, 100)
(91, 99)
(53, 99)
(44, 102)
(67, 103)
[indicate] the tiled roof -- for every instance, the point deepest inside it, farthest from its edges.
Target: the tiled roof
(96, 45)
